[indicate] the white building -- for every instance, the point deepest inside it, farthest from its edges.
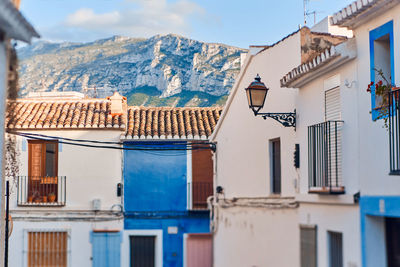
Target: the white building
(66, 203)
(345, 188)
(256, 218)
(12, 26)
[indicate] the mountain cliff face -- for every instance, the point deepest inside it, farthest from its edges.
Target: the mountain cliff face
(162, 70)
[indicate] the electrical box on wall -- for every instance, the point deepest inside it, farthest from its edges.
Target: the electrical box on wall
(96, 204)
(296, 159)
(119, 189)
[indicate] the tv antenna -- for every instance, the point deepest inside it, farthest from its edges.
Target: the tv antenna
(307, 13)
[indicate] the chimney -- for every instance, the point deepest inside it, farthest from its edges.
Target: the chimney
(16, 3)
(118, 104)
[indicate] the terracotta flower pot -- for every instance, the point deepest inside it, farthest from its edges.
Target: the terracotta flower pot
(396, 93)
(44, 198)
(30, 199)
(52, 198)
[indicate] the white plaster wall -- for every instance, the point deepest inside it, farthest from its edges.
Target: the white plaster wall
(337, 218)
(248, 236)
(251, 237)
(325, 26)
(243, 167)
(80, 248)
(310, 105)
(91, 173)
(3, 84)
(373, 138)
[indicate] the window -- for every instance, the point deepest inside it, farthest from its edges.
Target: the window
(325, 142)
(202, 178)
(276, 166)
(381, 58)
(47, 248)
(308, 246)
(335, 241)
(42, 179)
(43, 157)
(332, 104)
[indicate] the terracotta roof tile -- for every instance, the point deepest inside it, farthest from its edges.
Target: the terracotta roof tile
(58, 114)
(140, 122)
(171, 123)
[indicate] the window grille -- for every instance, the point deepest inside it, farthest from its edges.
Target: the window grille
(47, 248)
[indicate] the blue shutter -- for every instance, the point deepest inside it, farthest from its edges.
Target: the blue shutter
(106, 249)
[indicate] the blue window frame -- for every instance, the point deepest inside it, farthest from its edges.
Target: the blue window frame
(386, 30)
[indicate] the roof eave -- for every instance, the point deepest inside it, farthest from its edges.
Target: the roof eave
(14, 25)
(358, 12)
(301, 75)
(317, 72)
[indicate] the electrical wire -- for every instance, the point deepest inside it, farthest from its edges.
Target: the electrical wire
(143, 146)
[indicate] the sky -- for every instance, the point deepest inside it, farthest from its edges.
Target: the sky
(234, 22)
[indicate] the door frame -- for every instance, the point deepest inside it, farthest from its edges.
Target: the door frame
(125, 249)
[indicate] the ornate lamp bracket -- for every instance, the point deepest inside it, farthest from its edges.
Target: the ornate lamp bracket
(286, 119)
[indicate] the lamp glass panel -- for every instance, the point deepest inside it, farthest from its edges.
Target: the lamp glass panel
(248, 97)
(258, 97)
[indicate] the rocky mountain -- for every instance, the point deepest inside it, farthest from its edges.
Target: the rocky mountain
(162, 70)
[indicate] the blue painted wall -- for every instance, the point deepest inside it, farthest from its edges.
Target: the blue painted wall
(155, 180)
(155, 197)
(373, 211)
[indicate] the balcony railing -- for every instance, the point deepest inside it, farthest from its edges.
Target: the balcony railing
(394, 131)
(199, 192)
(324, 158)
(41, 191)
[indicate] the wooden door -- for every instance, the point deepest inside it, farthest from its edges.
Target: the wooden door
(199, 250)
(42, 170)
(142, 251)
(202, 177)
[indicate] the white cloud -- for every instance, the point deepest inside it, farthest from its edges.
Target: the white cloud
(137, 18)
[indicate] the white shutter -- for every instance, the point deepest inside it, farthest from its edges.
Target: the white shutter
(332, 105)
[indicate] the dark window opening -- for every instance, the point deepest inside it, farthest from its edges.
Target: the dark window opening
(335, 249)
(276, 166)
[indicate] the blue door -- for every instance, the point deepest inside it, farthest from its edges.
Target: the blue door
(106, 249)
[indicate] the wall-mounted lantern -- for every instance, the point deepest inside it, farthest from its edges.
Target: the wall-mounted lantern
(256, 94)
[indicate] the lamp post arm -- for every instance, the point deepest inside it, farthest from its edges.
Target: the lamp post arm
(286, 119)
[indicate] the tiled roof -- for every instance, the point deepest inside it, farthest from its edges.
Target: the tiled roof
(171, 123)
(142, 122)
(61, 114)
(331, 57)
(359, 9)
(321, 59)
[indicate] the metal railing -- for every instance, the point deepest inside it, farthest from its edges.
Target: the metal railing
(199, 192)
(394, 131)
(41, 191)
(324, 158)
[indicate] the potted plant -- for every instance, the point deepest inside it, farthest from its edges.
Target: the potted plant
(52, 197)
(30, 199)
(36, 197)
(383, 88)
(44, 198)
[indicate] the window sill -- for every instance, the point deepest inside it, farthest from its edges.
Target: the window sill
(327, 190)
(41, 204)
